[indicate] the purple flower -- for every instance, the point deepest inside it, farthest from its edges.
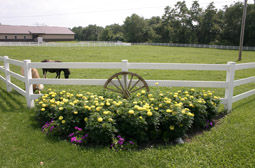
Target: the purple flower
(85, 136)
(79, 141)
(121, 139)
(118, 136)
(51, 128)
(131, 142)
(76, 127)
(79, 129)
(211, 124)
(70, 135)
(120, 142)
(73, 139)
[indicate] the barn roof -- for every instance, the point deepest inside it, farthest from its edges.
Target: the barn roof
(8, 29)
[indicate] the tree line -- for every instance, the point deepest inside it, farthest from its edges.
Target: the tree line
(179, 24)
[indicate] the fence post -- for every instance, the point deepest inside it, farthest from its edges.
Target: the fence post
(7, 76)
(29, 87)
(124, 69)
(229, 91)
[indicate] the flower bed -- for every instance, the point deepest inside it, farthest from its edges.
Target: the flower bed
(106, 118)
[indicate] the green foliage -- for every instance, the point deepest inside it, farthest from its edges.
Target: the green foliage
(180, 24)
(144, 117)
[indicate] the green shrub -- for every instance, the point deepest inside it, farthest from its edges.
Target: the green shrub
(143, 117)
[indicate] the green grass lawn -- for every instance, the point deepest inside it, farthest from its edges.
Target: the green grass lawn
(231, 143)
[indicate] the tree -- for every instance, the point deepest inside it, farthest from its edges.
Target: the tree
(135, 29)
(210, 29)
(91, 32)
(112, 32)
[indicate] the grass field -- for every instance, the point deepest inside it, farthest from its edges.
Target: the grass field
(231, 143)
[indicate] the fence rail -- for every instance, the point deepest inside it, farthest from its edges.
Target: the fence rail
(228, 85)
(66, 44)
(197, 46)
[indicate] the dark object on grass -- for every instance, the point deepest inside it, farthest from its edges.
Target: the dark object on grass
(57, 71)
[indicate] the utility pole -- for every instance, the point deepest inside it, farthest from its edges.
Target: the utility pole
(242, 31)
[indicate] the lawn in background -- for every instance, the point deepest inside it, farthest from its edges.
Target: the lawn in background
(231, 143)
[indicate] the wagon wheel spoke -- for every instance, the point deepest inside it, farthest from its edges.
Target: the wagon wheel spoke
(135, 84)
(137, 89)
(120, 83)
(128, 87)
(129, 84)
(115, 86)
(114, 90)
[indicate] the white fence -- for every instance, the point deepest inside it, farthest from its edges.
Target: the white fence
(228, 85)
(197, 46)
(66, 44)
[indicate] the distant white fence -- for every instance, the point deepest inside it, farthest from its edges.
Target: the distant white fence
(197, 46)
(228, 85)
(66, 44)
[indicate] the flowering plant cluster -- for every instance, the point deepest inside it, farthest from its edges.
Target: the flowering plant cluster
(78, 136)
(120, 143)
(98, 118)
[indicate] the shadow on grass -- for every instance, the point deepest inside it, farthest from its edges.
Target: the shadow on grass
(10, 101)
(243, 103)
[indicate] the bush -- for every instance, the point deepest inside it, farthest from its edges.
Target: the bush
(143, 117)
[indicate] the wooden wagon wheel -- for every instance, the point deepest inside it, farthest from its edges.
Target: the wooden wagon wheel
(126, 83)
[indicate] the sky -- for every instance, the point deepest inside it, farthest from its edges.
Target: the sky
(71, 13)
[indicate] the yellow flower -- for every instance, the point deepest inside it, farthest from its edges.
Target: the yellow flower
(42, 109)
(191, 105)
(156, 108)
(44, 105)
(110, 120)
(98, 108)
(149, 95)
(190, 114)
(86, 119)
(86, 107)
(131, 112)
(75, 112)
(141, 117)
(171, 127)
(99, 119)
(63, 121)
(71, 104)
(169, 111)
(52, 101)
(156, 83)
(60, 117)
(106, 112)
(36, 100)
(149, 113)
(65, 100)
(143, 91)
(49, 89)
(60, 108)
(138, 94)
(135, 102)
(192, 89)
(108, 104)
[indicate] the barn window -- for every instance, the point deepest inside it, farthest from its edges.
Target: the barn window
(15, 37)
(6, 37)
(25, 37)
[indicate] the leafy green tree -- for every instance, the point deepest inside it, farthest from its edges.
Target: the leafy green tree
(91, 32)
(210, 29)
(112, 32)
(135, 29)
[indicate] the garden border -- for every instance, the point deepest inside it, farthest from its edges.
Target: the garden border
(229, 84)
